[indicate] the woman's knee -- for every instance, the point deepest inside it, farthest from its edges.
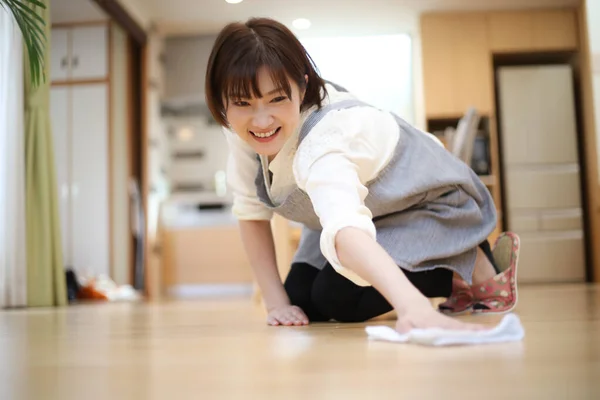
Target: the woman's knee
(335, 296)
(298, 283)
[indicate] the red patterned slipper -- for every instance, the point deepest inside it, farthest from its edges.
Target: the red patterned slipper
(499, 294)
(461, 300)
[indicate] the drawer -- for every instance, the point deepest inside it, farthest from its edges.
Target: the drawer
(549, 221)
(528, 188)
(561, 221)
(546, 258)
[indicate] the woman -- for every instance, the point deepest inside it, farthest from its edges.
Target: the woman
(379, 200)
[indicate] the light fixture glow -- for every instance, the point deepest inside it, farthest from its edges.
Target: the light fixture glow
(301, 23)
(234, 1)
(185, 134)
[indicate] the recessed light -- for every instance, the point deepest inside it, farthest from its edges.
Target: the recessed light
(185, 134)
(234, 1)
(301, 23)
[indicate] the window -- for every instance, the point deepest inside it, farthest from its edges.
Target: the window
(377, 69)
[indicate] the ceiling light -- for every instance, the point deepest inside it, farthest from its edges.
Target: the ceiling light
(185, 134)
(234, 1)
(301, 23)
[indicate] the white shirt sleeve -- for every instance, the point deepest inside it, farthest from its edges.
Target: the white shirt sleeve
(333, 164)
(242, 167)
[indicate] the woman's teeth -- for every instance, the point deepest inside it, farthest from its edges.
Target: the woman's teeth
(265, 134)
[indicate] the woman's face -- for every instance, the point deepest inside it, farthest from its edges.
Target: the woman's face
(266, 123)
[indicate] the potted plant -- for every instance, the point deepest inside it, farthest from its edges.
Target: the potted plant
(32, 27)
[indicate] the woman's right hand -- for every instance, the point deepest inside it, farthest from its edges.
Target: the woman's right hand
(287, 315)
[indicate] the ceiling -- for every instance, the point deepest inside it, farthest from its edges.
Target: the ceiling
(328, 17)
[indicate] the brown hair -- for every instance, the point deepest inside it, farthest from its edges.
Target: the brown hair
(241, 49)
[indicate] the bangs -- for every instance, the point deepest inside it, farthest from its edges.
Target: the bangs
(242, 76)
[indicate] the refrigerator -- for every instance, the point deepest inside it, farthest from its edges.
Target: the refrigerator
(542, 185)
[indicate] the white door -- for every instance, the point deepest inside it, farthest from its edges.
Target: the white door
(59, 111)
(542, 173)
(90, 196)
(89, 55)
(59, 54)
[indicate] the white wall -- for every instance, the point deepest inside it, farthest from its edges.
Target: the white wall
(139, 11)
(68, 11)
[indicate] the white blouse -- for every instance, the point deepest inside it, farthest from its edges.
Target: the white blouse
(344, 151)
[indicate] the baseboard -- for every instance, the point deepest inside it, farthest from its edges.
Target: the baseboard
(211, 290)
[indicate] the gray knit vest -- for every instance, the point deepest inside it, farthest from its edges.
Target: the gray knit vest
(429, 208)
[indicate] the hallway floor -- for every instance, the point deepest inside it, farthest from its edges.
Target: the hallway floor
(221, 349)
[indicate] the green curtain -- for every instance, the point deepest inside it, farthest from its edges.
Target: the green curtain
(46, 284)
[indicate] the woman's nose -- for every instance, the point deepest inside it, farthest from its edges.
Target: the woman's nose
(262, 120)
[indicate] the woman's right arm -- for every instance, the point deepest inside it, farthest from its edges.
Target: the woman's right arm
(255, 229)
(257, 238)
(260, 249)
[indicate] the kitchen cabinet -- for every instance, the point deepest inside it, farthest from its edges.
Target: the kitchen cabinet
(80, 129)
(79, 53)
(457, 65)
(532, 31)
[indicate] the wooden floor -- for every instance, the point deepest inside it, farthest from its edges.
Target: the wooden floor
(223, 350)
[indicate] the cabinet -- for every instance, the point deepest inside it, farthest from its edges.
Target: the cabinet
(80, 128)
(532, 31)
(543, 193)
(458, 51)
(79, 107)
(186, 59)
(457, 65)
(79, 53)
(193, 255)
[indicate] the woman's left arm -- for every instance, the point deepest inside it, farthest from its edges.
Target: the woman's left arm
(348, 241)
(333, 163)
(359, 252)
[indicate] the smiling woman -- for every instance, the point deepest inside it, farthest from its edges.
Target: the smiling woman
(379, 200)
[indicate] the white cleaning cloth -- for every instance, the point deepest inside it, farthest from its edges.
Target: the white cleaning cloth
(508, 330)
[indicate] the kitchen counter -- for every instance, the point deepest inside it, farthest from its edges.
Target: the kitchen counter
(180, 216)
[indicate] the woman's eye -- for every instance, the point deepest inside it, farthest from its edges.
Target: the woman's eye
(241, 103)
(279, 99)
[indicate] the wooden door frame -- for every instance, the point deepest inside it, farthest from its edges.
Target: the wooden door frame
(138, 135)
(590, 138)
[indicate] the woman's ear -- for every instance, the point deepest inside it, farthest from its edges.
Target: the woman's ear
(304, 90)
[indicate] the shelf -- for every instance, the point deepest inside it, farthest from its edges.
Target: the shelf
(488, 180)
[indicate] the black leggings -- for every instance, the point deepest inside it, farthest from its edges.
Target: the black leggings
(325, 295)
